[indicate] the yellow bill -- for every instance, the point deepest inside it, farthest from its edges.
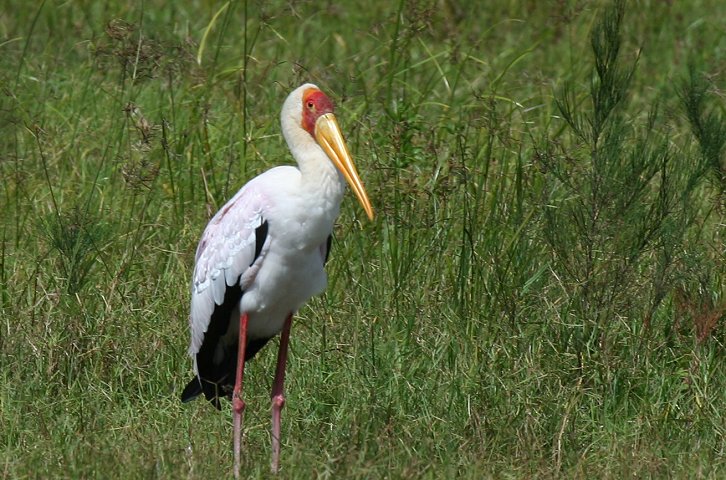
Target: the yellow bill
(329, 137)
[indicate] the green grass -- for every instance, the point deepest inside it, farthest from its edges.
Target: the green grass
(541, 294)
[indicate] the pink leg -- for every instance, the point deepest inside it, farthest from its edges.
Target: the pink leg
(278, 398)
(238, 405)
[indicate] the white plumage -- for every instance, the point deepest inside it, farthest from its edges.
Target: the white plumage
(262, 256)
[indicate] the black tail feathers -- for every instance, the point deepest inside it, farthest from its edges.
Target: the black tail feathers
(197, 386)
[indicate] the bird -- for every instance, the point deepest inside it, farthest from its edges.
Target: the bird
(262, 256)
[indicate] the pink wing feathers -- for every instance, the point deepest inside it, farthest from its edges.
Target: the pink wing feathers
(228, 254)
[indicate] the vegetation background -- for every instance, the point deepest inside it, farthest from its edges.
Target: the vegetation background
(541, 294)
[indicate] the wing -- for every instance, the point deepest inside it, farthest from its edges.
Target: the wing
(229, 255)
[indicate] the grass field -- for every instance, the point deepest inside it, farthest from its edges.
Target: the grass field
(541, 295)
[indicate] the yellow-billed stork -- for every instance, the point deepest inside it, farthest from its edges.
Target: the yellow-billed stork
(262, 255)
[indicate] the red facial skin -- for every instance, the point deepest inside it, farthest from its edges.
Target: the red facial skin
(315, 104)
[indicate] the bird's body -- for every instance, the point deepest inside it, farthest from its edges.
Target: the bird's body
(272, 268)
(262, 256)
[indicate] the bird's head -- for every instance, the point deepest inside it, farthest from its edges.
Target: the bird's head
(307, 109)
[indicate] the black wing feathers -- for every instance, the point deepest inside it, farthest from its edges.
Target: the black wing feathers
(327, 248)
(260, 237)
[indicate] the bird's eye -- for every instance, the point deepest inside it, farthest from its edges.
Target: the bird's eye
(311, 105)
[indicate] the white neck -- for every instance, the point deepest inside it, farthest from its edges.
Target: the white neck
(322, 185)
(318, 198)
